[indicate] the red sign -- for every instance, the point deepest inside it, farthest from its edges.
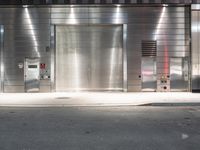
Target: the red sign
(42, 66)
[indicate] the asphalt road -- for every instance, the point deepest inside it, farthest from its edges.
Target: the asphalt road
(100, 128)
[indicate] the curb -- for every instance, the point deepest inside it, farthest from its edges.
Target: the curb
(172, 104)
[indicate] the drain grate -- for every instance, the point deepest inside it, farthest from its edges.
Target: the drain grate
(62, 97)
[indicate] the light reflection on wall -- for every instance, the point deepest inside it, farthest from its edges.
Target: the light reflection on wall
(32, 32)
(1, 54)
(158, 28)
(73, 20)
(76, 71)
(113, 60)
(159, 23)
(72, 16)
(2, 68)
(194, 27)
(195, 30)
(112, 66)
(117, 14)
(113, 51)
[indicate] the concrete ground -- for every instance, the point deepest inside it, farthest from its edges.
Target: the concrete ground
(100, 128)
(97, 99)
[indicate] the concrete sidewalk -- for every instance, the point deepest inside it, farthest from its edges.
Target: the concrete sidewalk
(97, 99)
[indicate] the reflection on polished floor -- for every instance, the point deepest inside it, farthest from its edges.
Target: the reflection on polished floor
(94, 98)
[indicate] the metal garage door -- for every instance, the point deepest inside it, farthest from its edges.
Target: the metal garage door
(89, 57)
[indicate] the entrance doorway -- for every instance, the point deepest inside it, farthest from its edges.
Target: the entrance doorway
(31, 74)
(179, 78)
(89, 57)
(149, 76)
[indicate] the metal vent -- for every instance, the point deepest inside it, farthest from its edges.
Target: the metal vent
(149, 48)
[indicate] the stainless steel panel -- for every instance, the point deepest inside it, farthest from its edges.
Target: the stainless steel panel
(28, 32)
(52, 56)
(164, 33)
(149, 80)
(26, 36)
(1, 59)
(102, 9)
(14, 88)
(89, 57)
(195, 6)
(195, 50)
(45, 86)
(31, 75)
(125, 67)
(179, 74)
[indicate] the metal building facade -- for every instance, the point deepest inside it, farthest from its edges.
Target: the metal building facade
(134, 32)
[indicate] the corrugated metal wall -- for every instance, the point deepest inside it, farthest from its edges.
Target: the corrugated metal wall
(27, 34)
(44, 2)
(195, 22)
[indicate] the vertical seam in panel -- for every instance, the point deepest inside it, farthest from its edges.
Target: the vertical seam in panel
(190, 55)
